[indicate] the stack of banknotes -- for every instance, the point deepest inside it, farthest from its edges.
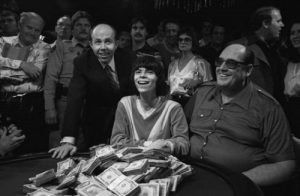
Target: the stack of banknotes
(111, 171)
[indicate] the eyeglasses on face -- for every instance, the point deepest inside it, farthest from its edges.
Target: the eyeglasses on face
(186, 39)
(230, 63)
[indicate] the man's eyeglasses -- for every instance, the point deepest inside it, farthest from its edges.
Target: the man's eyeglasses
(186, 39)
(230, 63)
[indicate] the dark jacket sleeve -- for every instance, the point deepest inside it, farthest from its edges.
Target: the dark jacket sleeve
(76, 95)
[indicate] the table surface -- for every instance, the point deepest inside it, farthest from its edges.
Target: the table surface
(207, 180)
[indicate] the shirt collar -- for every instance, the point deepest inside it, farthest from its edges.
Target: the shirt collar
(242, 98)
(17, 42)
(75, 42)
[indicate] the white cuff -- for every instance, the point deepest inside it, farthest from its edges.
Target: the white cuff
(68, 139)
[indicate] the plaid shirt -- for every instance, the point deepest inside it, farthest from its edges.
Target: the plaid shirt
(10, 68)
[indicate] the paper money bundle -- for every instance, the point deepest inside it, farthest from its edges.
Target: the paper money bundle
(111, 171)
(117, 182)
(43, 177)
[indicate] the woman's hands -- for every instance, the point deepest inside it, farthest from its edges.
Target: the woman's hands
(160, 144)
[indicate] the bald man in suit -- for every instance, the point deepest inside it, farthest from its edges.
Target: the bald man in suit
(101, 77)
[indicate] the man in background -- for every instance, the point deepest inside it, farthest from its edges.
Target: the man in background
(60, 69)
(22, 61)
(101, 77)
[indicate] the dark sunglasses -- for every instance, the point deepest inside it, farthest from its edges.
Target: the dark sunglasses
(230, 63)
(186, 39)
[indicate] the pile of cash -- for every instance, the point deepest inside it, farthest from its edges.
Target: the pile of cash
(111, 171)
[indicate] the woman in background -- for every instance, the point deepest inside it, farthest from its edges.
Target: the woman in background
(292, 78)
(189, 70)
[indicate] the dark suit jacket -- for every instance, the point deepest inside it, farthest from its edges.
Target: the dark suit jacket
(92, 99)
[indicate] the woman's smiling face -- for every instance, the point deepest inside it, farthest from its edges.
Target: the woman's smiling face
(145, 80)
(295, 35)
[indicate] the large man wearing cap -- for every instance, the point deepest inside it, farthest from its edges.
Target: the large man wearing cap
(101, 78)
(238, 125)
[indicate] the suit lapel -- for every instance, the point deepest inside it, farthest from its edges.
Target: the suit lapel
(93, 61)
(258, 53)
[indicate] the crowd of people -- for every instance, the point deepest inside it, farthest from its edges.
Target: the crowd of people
(232, 103)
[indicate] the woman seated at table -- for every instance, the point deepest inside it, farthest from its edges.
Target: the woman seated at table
(188, 70)
(149, 119)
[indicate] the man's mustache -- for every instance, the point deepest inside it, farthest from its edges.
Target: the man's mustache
(138, 35)
(83, 32)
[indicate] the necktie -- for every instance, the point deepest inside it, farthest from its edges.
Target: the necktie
(109, 73)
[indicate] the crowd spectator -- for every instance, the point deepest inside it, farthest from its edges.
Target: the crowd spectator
(292, 78)
(268, 70)
(159, 36)
(205, 35)
(23, 59)
(168, 49)
(60, 71)
(138, 32)
(100, 79)
(124, 40)
(9, 18)
(63, 29)
(211, 51)
(188, 70)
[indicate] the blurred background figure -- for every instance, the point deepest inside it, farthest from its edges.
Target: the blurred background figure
(124, 40)
(158, 38)
(205, 35)
(212, 50)
(168, 49)
(9, 17)
(292, 78)
(188, 70)
(139, 33)
(21, 98)
(63, 29)
(60, 70)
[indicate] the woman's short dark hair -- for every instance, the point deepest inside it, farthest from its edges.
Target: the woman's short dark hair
(151, 63)
(190, 31)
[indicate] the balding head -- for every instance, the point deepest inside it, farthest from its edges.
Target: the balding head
(103, 28)
(63, 28)
(238, 52)
(233, 67)
(103, 42)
